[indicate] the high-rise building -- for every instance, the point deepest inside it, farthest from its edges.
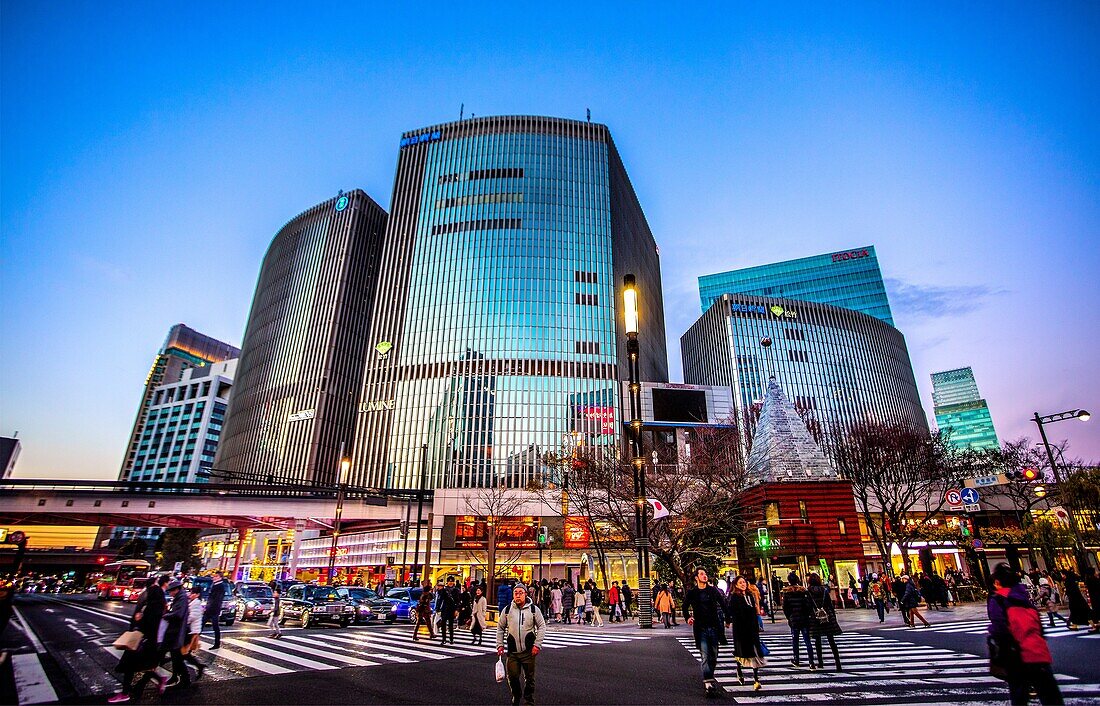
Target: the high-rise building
(850, 279)
(296, 388)
(961, 411)
(9, 454)
(498, 309)
(183, 349)
(181, 434)
(838, 367)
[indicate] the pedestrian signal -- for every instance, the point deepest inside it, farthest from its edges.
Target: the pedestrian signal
(544, 535)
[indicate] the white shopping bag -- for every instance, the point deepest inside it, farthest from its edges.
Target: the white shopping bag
(500, 669)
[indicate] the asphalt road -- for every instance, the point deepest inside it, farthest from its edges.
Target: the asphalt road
(617, 664)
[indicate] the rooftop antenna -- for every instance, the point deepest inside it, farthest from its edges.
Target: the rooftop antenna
(588, 114)
(461, 111)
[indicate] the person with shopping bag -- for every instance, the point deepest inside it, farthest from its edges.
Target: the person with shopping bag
(520, 630)
(145, 658)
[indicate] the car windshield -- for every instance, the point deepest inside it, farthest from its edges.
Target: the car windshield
(398, 593)
(255, 592)
(323, 594)
(363, 594)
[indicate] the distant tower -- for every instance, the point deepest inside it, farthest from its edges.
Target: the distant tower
(961, 411)
(184, 348)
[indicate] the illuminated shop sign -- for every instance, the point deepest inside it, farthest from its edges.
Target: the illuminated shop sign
(472, 532)
(341, 203)
(577, 533)
(850, 255)
(747, 308)
(781, 313)
(376, 405)
(605, 416)
(422, 137)
(299, 416)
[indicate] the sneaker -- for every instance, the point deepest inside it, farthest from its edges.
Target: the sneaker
(119, 698)
(795, 665)
(162, 683)
(813, 667)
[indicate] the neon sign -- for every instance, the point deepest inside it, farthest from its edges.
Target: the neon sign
(341, 203)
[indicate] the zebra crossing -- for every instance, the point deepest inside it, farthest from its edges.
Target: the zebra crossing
(246, 655)
(877, 669)
(979, 627)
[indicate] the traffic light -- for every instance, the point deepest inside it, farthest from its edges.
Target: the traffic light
(1031, 474)
(544, 535)
(966, 527)
(1026, 475)
(1040, 491)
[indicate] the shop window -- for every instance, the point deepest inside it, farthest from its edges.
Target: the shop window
(802, 512)
(841, 526)
(771, 513)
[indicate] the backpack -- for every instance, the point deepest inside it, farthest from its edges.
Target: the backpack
(534, 626)
(597, 597)
(1004, 650)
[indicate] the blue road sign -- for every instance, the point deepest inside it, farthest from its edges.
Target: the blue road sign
(970, 496)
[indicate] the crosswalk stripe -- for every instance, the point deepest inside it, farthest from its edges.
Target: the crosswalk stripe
(327, 654)
(31, 683)
(361, 644)
(246, 661)
(282, 656)
(371, 639)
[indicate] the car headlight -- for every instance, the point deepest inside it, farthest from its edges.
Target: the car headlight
(251, 604)
(349, 609)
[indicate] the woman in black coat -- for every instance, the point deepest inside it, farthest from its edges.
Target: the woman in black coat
(827, 627)
(146, 619)
(1078, 606)
(742, 613)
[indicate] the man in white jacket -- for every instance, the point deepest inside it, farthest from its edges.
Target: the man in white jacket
(520, 629)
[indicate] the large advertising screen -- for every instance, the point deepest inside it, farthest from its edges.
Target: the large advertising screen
(472, 532)
(673, 405)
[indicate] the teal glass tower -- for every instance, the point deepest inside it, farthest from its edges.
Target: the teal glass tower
(497, 333)
(850, 279)
(961, 411)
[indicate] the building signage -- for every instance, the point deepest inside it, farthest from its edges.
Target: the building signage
(303, 414)
(422, 137)
(781, 313)
(376, 405)
(341, 203)
(604, 415)
(747, 308)
(577, 534)
(472, 532)
(850, 255)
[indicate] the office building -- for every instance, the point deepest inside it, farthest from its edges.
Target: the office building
(838, 367)
(183, 349)
(296, 389)
(960, 410)
(9, 454)
(849, 279)
(501, 277)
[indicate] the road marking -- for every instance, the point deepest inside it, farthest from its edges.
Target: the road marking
(357, 643)
(31, 683)
(265, 667)
(93, 611)
(354, 661)
(281, 656)
(371, 640)
(28, 631)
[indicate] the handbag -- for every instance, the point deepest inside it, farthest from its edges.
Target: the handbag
(820, 614)
(764, 651)
(191, 646)
(129, 640)
(500, 669)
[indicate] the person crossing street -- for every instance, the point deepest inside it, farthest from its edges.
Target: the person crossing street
(703, 608)
(520, 630)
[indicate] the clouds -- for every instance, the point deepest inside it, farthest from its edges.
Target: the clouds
(928, 301)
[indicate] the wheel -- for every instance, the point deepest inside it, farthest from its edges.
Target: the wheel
(229, 622)
(305, 618)
(344, 623)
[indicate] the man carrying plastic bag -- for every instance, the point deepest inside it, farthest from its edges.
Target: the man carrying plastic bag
(520, 629)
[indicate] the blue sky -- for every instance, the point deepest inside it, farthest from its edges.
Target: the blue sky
(148, 157)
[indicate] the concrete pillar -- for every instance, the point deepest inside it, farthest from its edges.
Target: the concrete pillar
(295, 548)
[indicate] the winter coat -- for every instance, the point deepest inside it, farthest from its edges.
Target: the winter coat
(1092, 585)
(555, 600)
(568, 598)
(742, 614)
(911, 598)
(504, 595)
(216, 598)
(707, 611)
(1078, 608)
(520, 628)
(424, 605)
(175, 636)
(663, 603)
(194, 615)
(480, 612)
(446, 601)
(820, 598)
(796, 607)
(151, 604)
(1011, 615)
(626, 593)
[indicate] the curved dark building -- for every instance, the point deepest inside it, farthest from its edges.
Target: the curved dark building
(297, 382)
(498, 334)
(836, 365)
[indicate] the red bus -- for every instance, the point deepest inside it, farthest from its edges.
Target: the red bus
(118, 577)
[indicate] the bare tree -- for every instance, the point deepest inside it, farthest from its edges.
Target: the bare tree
(499, 505)
(900, 476)
(702, 490)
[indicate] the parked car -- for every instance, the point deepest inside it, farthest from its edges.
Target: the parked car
(369, 606)
(310, 605)
(402, 604)
(229, 605)
(255, 601)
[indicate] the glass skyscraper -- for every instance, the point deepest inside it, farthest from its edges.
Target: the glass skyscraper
(850, 279)
(497, 332)
(838, 367)
(961, 411)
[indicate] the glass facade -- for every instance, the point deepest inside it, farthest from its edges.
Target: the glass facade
(496, 330)
(850, 279)
(838, 367)
(184, 348)
(960, 410)
(294, 402)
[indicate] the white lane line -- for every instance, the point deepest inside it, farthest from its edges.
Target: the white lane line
(28, 631)
(360, 645)
(93, 611)
(245, 660)
(434, 648)
(328, 654)
(372, 641)
(280, 655)
(31, 683)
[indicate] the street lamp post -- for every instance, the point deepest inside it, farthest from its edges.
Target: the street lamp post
(637, 460)
(341, 487)
(1079, 544)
